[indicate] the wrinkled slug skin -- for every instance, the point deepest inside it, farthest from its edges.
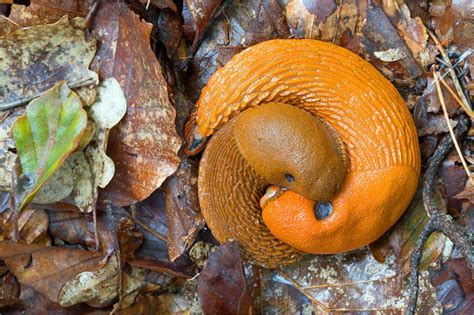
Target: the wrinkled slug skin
(229, 193)
(356, 101)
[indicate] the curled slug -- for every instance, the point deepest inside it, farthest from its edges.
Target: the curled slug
(312, 151)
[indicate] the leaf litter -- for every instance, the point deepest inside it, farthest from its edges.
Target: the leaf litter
(143, 266)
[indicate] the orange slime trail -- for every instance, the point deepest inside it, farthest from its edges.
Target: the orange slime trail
(348, 95)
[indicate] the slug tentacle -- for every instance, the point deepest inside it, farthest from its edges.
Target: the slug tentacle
(371, 153)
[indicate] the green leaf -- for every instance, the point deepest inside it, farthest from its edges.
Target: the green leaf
(45, 135)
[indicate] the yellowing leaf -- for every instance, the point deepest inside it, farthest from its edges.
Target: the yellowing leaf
(45, 135)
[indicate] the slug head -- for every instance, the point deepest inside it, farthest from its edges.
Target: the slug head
(289, 147)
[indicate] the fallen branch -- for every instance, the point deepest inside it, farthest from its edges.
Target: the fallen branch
(439, 221)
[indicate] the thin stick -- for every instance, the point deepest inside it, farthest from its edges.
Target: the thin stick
(96, 232)
(443, 223)
(451, 131)
(91, 13)
(146, 227)
(457, 85)
(458, 100)
(302, 290)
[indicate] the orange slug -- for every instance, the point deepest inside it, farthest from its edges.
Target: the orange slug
(314, 134)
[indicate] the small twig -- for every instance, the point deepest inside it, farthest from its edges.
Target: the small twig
(438, 220)
(311, 29)
(443, 53)
(146, 227)
(96, 232)
(90, 15)
(457, 99)
(443, 223)
(302, 290)
(451, 131)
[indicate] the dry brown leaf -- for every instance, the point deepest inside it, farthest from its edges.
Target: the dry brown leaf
(433, 100)
(182, 208)
(32, 225)
(100, 288)
(306, 24)
(162, 4)
(9, 290)
(144, 145)
(162, 304)
(7, 145)
(322, 9)
(48, 11)
(170, 30)
(197, 15)
(159, 266)
(7, 25)
(453, 25)
(150, 218)
(67, 60)
(222, 287)
(454, 286)
(72, 227)
(33, 265)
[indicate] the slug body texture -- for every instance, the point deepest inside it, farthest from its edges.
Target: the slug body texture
(362, 109)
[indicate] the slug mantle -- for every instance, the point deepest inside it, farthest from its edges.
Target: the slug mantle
(319, 121)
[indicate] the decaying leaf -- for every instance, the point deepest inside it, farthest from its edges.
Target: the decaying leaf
(71, 227)
(46, 268)
(7, 157)
(196, 15)
(454, 286)
(150, 217)
(162, 4)
(106, 112)
(45, 135)
(58, 186)
(83, 171)
(48, 11)
(353, 282)
(182, 208)
(99, 287)
(7, 25)
(321, 8)
(22, 79)
(32, 225)
(452, 22)
(221, 286)
(9, 290)
(144, 145)
(392, 54)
